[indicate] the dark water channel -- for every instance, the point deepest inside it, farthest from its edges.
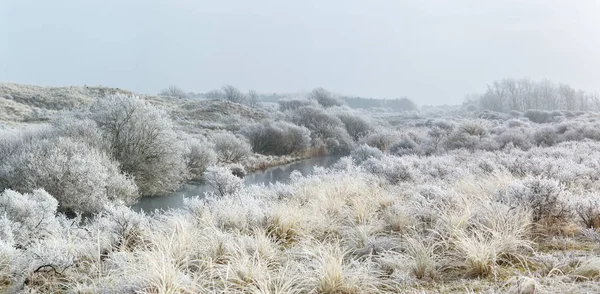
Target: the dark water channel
(275, 174)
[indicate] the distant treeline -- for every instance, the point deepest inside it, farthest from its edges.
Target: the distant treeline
(252, 98)
(524, 94)
(398, 104)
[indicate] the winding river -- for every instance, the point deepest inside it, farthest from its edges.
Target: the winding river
(274, 174)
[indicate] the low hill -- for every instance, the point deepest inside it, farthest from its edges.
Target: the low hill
(24, 104)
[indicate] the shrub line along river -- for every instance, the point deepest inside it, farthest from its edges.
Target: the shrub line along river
(268, 176)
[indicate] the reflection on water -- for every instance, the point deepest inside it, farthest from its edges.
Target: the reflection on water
(271, 175)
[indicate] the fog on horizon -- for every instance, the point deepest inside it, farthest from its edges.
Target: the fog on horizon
(433, 52)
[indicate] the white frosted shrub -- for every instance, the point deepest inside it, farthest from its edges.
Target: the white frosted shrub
(437, 133)
(277, 137)
(12, 267)
(540, 116)
(545, 137)
(82, 179)
(230, 148)
(314, 118)
(467, 135)
(27, 217)
(514, 137)
(120, 227)
(461, 140)
(142, 140)
(544, 197)
(80, 130)
(324, 98)
(338, 141)
(325, 128)
(13, 141)
(364, 152)
(52, 255)
(293, 104)
(356, 125)
(381, 140)
(198, 156)
(516, 123)
(223, 181)
(405, 146)
(392, 169)
(587, 208)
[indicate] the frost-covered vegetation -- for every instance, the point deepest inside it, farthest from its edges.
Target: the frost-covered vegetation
(476, 201)
(525, 94)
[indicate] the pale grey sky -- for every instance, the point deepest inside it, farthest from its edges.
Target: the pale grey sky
(433, 52)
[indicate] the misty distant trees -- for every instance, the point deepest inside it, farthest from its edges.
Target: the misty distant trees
(324, 98)
(173, 91)
(524, 94)
(233, 94)
(400, 104)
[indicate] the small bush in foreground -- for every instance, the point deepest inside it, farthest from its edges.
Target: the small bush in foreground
(222, 180)
(81, 178)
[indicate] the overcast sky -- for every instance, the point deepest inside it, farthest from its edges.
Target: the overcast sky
(433, 52)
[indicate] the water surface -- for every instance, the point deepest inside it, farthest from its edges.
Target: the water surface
(274, 174)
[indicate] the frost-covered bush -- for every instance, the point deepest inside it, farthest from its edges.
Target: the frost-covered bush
(406, 145)
(544, 197)
(230, 148)
(142, 140)
(468, 135)
(293, 104)
(78, 129)
(222, 180)
(198, 156)
(356, 125)
(324, 98)
(13, 141)
(539, 116)
(364, 152)
(381, 140)
(461, 140)
(545, 137)
(27, 217)
(315, 119)
(587, 208)
(277, 137)
(516, 123)
(392, 169)
(325, 128)
(337, 141)
(438, 131)
(121, 228)
(81, 178)
(515, 137)
(472, 128)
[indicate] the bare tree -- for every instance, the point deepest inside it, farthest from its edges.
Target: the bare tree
(173, 91)
(547, 92)
(567, 96)
(252, 99)
(231, 93)
(214, 94)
